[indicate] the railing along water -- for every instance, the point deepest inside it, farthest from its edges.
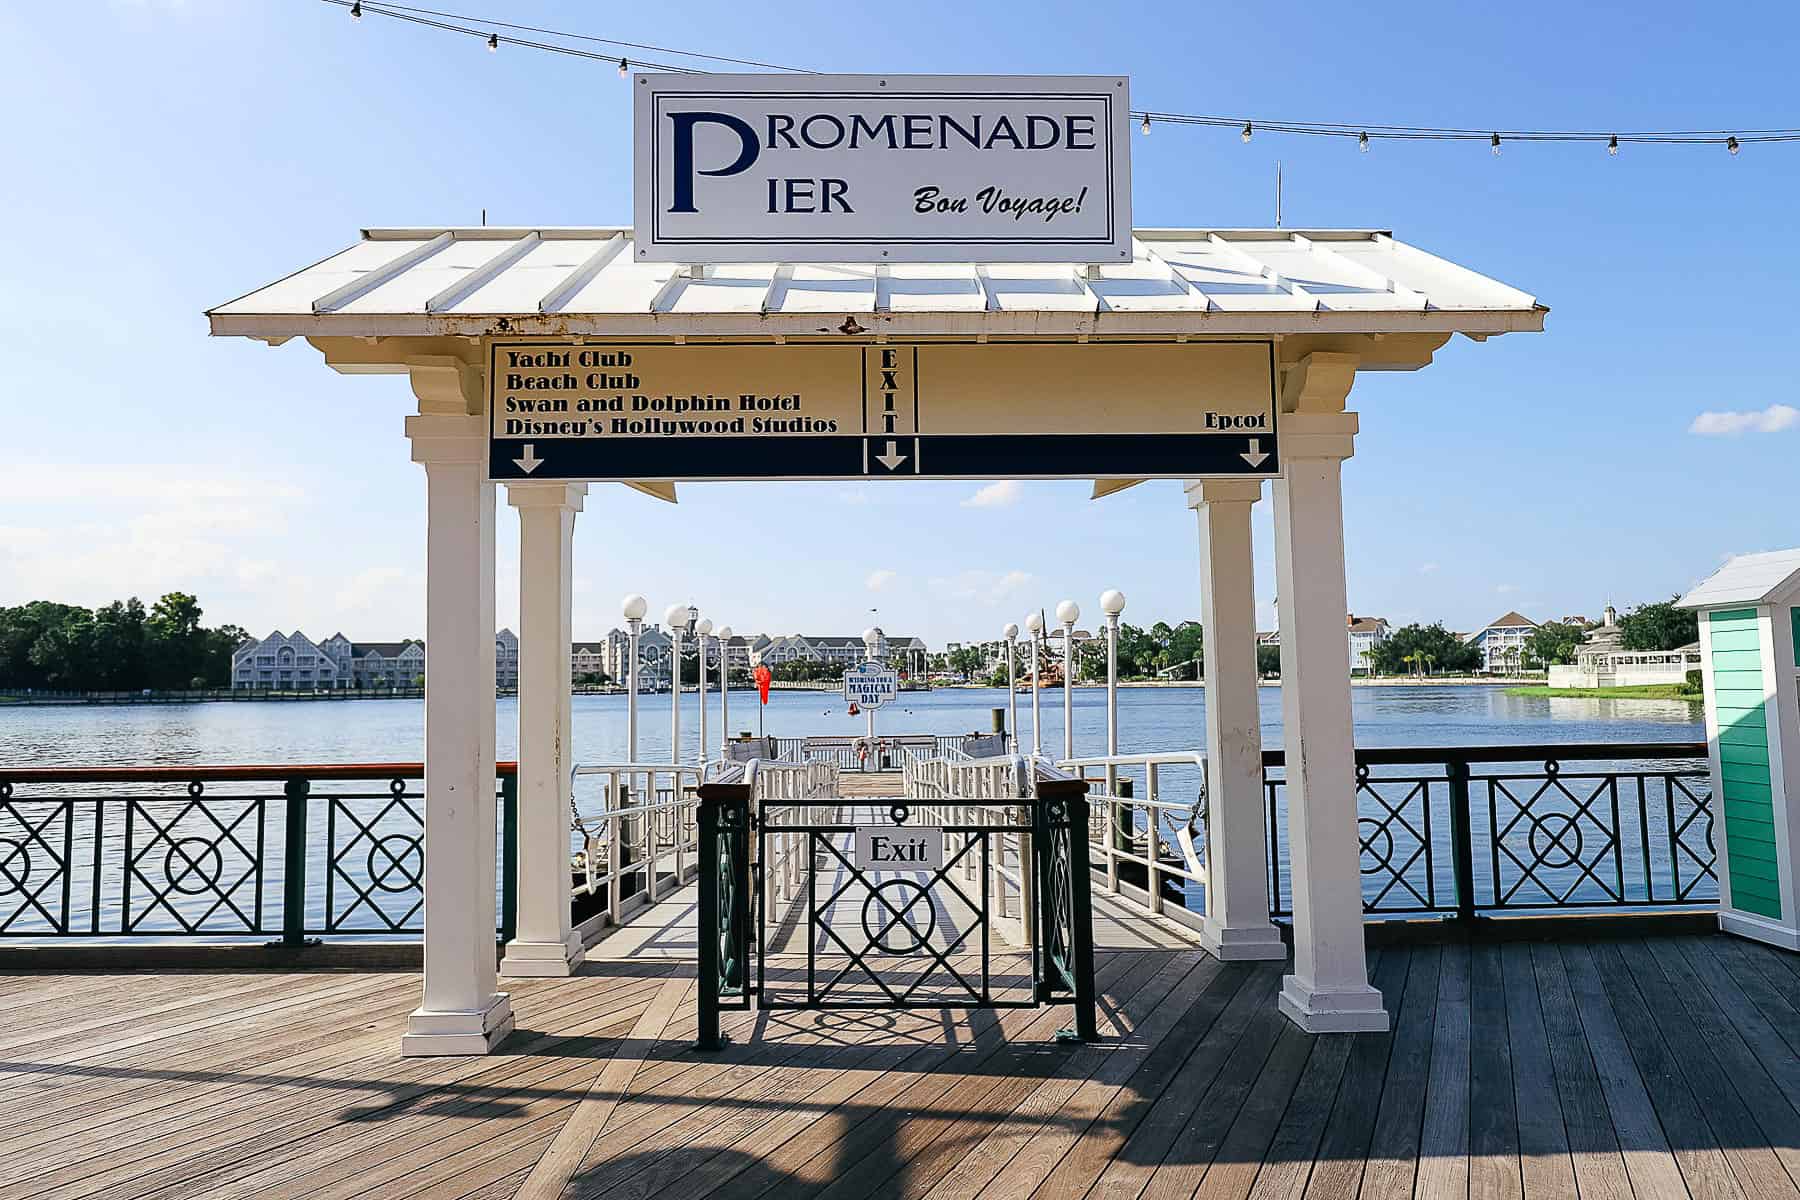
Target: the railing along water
(294, 852)
(630, 821)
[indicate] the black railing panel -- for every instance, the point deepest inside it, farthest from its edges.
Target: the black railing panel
(223, 852)
(1466, 829)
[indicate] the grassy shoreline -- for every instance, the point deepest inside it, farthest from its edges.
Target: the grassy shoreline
(1642, 691)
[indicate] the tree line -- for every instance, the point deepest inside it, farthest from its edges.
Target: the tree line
(119, 647)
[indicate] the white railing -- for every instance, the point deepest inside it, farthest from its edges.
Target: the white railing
(788, 782)
(954, 789)
(1169, 840)
(646, 817)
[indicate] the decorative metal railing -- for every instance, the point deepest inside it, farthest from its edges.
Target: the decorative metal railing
(1470, 829)
(176, 852)
(1137, 827)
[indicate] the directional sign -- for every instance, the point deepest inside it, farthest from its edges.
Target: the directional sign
(871, 686)
(899, 848)
(566, 410)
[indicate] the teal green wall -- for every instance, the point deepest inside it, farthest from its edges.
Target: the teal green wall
(1748, 800)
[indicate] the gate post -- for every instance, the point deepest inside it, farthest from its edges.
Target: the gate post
(723, 920)
(1060, 827)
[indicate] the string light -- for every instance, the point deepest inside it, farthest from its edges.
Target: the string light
(452, 22)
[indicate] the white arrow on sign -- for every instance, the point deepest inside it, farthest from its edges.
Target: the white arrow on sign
(531, 461)
(891, 460)
(1255, 456)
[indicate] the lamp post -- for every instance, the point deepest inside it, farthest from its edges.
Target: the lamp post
(1011, 634)
(724, 636)
(1112, 603)
(634, 608)
(679, 618)
(1035, 623)
(702, 628)
(871, 648)
(1068, 612)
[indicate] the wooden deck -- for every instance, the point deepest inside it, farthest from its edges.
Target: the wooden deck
(1647, 1068)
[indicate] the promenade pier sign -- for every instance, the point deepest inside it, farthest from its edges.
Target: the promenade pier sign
(942, 410)
(882, 168)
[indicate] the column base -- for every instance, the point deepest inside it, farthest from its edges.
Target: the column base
(1258, 943)
(1759, 929)
(433, 1033)
(530, 960)
(1315, 1011)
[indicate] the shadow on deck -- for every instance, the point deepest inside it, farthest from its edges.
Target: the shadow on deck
(1647, 1067)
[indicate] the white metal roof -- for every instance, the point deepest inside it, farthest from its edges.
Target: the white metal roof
(1747, 579)
(490, 280)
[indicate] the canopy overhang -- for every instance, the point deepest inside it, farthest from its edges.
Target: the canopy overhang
(1181, 283)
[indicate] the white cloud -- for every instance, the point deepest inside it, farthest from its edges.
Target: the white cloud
(1427, 568)
(1506, 589)
(984, 587)
(1772, 419)
(375, 588)
(995, 495)
(878, 580)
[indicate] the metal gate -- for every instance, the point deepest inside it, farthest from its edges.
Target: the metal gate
(908, 936)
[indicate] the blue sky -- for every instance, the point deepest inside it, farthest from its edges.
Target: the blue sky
(166, 156)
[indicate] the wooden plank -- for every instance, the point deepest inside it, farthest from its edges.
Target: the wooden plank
(1747, 1021)
(1234, 1168)
(1743, 1143)
(1222, 1098)
(266, 1107)
(1652, 1165)
(1288, 1162)
(219, 1154)
(1172, 1082)
(1337, 1169)
(1594, 1151)
(1444, 1136)
(1494, 1172)
(1776, 998)
(1394, 1143)
(1132, 1034)
(1545, 1169)
(1163, 1038)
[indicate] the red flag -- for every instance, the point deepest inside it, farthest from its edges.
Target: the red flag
(763, 675)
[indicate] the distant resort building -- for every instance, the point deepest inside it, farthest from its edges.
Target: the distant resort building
(1502, 643)
(1602, 661)
(1366, 633)
(849, 651)
(292, 662)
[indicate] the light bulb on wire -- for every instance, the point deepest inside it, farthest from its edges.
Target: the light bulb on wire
(356, 11)
(1612, 145)
(624, 69)
(1145, 127)
(1246, 134)
(1362, 142)
(1731, 144)
(1494, 145)
(493, 42)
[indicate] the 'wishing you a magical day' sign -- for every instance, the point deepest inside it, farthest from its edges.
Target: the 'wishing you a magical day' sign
(882, 168)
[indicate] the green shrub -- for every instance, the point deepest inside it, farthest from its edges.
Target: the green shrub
(1693, 685)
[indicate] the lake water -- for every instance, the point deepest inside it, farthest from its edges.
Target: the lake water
(1149, 719)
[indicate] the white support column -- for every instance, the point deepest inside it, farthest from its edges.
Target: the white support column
(545, 942)
(1237, 924)
(1329, 990)
(462, 1011)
